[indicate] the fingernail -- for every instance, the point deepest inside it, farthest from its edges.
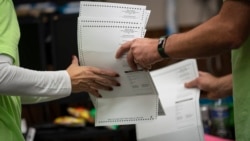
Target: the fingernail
(118, 84)
(117, 75)
(97, 92)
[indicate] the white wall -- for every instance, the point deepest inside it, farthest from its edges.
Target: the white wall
(193, 12)
(188, 12)
(157, 7)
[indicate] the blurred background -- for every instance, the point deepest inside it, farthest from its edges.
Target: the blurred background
(49, 39)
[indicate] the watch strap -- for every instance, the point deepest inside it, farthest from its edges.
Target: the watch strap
(161, 47)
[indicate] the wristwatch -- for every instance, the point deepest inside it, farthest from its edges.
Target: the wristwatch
(161, 47)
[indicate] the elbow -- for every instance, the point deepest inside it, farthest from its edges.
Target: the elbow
(235, 38)
(235, 42)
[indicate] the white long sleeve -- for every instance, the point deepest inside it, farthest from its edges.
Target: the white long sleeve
(43, 85)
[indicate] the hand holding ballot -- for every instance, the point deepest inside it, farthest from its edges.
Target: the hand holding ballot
(91, 79)
(140, 51)
(213, 87)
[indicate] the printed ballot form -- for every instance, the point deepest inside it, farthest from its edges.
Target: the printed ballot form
(102, 28)
(182, 121)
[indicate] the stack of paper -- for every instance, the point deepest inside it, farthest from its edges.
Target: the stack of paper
(102, 28)
(182, 121)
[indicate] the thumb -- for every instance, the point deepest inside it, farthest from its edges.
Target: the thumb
(191, 84)
(123, 49)
(74, 61)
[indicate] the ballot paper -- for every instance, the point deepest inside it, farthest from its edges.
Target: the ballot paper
(102, 28)
(182, 121)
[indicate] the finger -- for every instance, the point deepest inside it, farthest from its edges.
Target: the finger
(149, 67)
(106, 81)
(201, 73)
(95, 93)
(146, 67)
(191, 84)
(131, 61)
(102, 72)
(106, 77)
(123, 49)
(86, 87)
(74, 60)
(98, 85)
(136, 62)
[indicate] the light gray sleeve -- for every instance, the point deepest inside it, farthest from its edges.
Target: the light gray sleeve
(24, 82)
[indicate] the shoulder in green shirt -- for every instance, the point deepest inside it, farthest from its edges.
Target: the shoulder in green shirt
(10, 106)
(241, 91)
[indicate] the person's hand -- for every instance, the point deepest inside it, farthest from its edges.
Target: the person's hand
(141, 51)
(90, 79)
(212, 87)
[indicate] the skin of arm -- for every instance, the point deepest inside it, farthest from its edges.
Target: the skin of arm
(213, 87)
(225, 31)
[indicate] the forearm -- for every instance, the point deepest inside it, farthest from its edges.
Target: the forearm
(221, 33)
(225, 84)
(24, 82)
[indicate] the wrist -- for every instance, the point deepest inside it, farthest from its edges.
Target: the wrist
(161, 47)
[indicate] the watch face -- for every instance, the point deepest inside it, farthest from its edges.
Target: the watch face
(161, 47)
(161, 40)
